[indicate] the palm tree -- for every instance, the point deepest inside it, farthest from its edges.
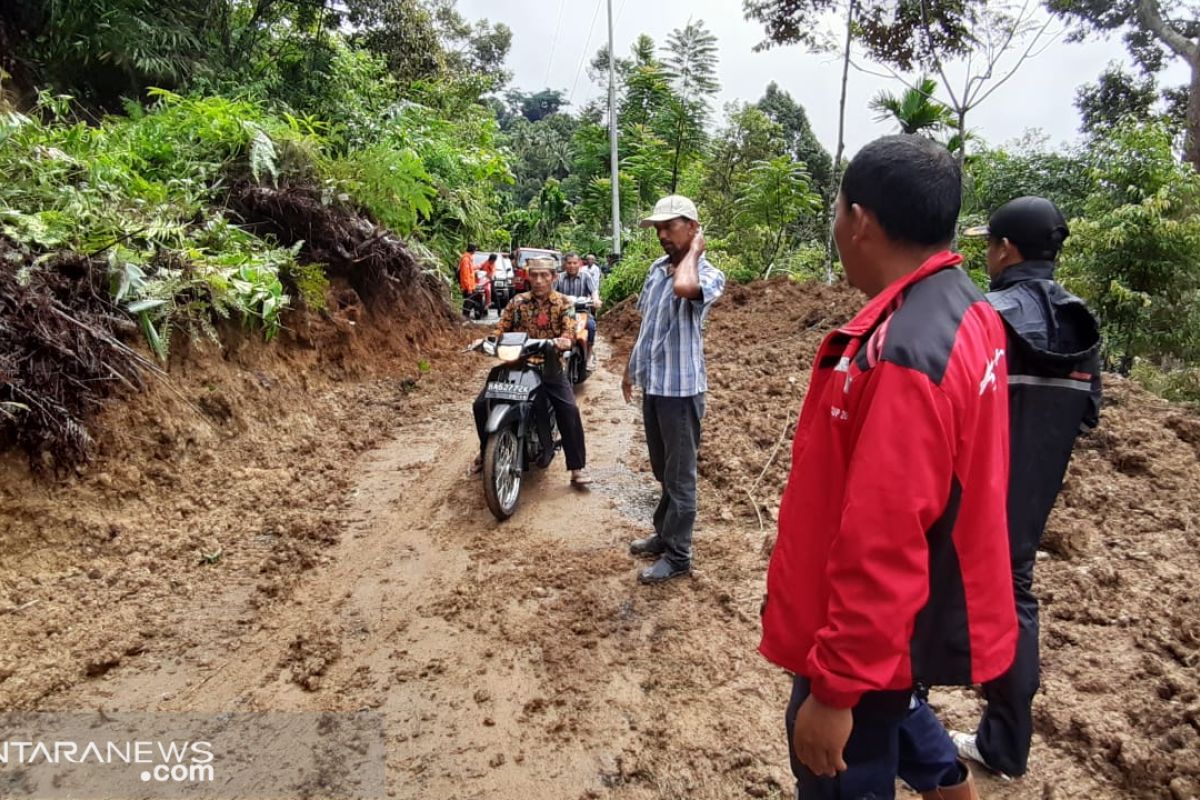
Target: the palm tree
(916, 110)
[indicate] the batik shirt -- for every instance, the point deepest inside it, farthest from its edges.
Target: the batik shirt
(549, 318)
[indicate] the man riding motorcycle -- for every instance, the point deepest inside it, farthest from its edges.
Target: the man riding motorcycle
(577, 282)
(544, 314)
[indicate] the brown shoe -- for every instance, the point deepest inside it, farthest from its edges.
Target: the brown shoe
(960, 791)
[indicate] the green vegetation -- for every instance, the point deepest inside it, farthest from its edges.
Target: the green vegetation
(129, 130)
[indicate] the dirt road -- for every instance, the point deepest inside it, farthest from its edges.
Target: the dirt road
(511, 660)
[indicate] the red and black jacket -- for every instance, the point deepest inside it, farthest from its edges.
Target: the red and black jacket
(891, 567)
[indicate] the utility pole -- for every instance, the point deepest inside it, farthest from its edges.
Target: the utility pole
(612, 136)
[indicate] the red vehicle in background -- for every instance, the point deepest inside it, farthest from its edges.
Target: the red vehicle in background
(522, 256)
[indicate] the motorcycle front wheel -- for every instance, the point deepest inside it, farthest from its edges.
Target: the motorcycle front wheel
(502, 473)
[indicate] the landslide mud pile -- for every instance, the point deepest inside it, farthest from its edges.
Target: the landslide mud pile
(131, 490)
(66, 348)
(1119, 578)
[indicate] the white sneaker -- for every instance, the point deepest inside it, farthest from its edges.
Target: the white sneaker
(968, 748)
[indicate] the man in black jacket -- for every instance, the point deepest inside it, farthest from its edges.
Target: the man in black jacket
(1054, 394)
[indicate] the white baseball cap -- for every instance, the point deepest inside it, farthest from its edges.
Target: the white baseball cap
(670, 207)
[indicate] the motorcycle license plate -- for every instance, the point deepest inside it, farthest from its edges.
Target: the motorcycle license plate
(498, 390)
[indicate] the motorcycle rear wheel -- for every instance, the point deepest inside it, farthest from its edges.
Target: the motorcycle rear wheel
(502, 473)
(578, 369)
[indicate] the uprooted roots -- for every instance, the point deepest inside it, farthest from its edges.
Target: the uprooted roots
(60, 354)
(374, 261)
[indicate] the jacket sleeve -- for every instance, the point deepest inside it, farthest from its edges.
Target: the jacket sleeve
(898, 484)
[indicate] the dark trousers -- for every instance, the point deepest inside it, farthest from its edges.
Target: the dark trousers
(673, 439)
(591, 323)
(555, 391)
(889, 740)
(1006, 729)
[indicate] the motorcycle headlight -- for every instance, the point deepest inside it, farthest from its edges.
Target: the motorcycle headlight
(508, 352)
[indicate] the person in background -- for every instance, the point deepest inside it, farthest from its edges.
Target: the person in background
(890, 569)
(667, 361)
(466, 271)
(489, 267)
(592, 268)
(576, 282)
(1053, 394)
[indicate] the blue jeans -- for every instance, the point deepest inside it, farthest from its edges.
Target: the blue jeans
(894, 736)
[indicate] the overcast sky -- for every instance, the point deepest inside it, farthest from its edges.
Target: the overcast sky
(1040, 95)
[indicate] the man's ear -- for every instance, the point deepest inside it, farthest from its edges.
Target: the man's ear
(862, 222)
(1009, 250)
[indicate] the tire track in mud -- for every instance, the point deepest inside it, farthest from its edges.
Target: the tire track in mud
(518, 659)
(509, 658)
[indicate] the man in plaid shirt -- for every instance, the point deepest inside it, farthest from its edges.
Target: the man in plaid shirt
(668, 363)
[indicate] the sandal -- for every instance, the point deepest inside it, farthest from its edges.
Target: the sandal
(580, 477)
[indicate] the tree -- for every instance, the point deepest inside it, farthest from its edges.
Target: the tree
(916, 110)
(998, 175)
(1136, 253)
(646, 94)
(478, 49)
(551, 209)
(403, 32)
(997, 30)
(691, 67)
(541, 150)
(749, 137)
(1153, 28)
(101, 50)
(773, 196)
(798, 134)
(892, 32)
(796, 21)
(536, 105)
(1114, 96)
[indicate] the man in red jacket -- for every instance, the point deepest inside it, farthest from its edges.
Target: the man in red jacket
(890, 572)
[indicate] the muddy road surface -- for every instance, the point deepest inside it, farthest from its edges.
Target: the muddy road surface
(511, 660)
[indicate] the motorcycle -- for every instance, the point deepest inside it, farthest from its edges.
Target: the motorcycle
(476, 306)
(502, 292)
(513, 444)
(579, 367)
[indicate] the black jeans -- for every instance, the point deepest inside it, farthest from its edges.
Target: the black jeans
(673, 439)
(892, 737)
(556, 391)
(1006, 729)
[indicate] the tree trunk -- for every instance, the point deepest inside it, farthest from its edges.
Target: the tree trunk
(1191, 150)
(962, 143)
(835, 180)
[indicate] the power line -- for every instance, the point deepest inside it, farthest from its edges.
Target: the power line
(562, 4)
(620, 10)
(586, 46)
